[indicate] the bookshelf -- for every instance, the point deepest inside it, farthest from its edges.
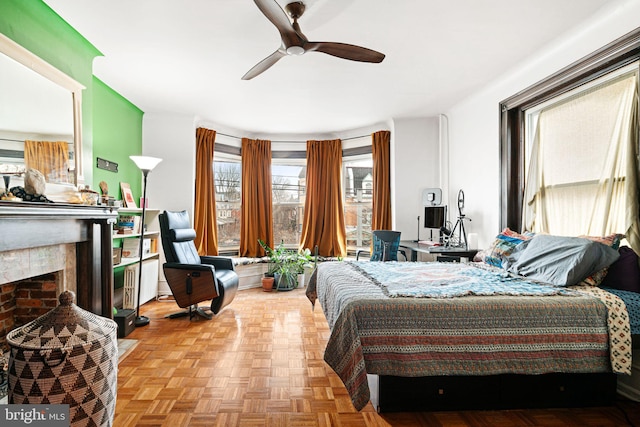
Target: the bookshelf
(130, 240)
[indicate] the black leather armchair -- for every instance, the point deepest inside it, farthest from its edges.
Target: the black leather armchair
(191, 277)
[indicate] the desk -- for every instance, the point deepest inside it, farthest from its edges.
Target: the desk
(443, 254)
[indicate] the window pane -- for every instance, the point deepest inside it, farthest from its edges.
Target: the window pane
(288, 187)
(227, 175)
(358, 192)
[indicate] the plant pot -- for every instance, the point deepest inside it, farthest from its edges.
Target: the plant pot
(267, 284)
(286, 282)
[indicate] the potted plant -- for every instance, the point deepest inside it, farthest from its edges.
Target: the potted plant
(286, 265)
(274, 257)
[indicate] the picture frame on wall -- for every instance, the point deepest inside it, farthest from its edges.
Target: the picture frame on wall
(127, 196)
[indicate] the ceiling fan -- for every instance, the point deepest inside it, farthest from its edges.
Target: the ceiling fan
(295, 43)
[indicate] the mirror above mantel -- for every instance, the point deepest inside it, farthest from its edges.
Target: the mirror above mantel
(39, 104)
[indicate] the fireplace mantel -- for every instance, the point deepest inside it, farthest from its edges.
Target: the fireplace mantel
(27, 225)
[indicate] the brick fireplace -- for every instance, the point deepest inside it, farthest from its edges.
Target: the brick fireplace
(26, 300)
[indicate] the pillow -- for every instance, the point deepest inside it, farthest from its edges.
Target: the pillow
(624, 274)
(183, 234)
(504, 244)
(612, 240)
(559, 260)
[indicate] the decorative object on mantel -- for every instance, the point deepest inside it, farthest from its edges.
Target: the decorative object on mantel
(75, 354)
(146, 165)
(89, 196)
(33, 190)
(34, 182)
(104, 189)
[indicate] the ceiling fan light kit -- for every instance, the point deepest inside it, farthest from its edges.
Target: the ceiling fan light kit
(294, 42)
(295, 50)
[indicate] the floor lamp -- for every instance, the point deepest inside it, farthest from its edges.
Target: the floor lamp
(146, 165)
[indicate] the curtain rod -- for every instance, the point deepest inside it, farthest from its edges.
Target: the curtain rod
(342, 139)
(24, 140)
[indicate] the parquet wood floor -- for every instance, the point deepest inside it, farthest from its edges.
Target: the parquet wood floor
(260, 363)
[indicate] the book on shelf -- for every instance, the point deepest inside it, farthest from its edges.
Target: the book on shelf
(131, 247)
(128, 224)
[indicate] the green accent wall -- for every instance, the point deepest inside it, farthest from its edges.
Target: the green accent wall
(117, 134)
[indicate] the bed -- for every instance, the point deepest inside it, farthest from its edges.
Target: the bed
(411, 336)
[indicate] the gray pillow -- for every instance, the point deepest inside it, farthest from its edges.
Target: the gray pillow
(559, 260)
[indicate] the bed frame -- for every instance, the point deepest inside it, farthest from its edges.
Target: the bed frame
(508, 391)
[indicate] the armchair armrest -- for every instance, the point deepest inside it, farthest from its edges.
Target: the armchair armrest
(219, 262)
(196, 267)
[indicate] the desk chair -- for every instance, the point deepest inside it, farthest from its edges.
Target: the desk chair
(191, 277)
(386, 245)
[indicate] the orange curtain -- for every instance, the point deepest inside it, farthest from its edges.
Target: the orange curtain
(256, 218)
(381, 216)
(50, 158)
(205, 199)
(323, 223)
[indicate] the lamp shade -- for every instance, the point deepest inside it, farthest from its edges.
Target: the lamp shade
(145, 163)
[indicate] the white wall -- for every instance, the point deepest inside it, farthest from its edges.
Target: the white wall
(170, 137)
(474, 123)
(414, 167)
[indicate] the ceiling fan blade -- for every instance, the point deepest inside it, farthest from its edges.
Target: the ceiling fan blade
(345, 51)
(274, 13)
(265, 64)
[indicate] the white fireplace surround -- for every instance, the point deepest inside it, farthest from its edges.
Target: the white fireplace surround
(23, 264)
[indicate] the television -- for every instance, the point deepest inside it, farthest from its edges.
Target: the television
(435, 216)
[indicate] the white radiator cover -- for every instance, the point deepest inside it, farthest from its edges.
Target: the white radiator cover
(149, 289)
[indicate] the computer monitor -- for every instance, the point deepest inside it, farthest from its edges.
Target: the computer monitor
(435, 216)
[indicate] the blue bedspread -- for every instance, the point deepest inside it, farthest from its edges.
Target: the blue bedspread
(632, 301)
(448, 280)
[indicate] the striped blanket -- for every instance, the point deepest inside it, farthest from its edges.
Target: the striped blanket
(475, 335)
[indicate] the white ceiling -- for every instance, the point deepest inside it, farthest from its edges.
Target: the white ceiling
(188, 57)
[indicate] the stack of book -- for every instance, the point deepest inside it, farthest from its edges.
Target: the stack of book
(128, 224)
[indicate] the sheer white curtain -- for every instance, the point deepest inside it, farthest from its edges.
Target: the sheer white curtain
(583, 169)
